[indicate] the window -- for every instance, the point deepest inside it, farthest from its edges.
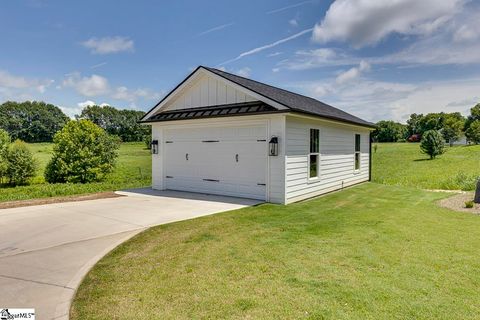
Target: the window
(313, 157)
(357, 152)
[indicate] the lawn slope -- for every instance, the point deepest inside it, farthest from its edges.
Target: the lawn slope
(369, 252)
(403, 164)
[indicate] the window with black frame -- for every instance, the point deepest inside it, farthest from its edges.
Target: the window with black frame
(314, 155)
(357, 152)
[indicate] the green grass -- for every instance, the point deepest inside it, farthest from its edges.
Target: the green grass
(403, 164)
(133, 170)
(369, 252)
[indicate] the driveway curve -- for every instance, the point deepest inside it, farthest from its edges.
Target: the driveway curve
(46, 250)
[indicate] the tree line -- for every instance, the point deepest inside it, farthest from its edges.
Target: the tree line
(34, 121)
(450, 125)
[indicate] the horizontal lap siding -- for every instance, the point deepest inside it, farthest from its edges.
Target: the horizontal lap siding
(336, 158)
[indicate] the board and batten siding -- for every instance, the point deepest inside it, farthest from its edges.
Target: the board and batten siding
(207, 91)
(337, 157)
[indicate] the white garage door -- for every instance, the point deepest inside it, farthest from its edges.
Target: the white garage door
(218, 160)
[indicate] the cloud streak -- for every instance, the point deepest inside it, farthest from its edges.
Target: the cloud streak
(217, 28)
(267, 46)
(289, 7)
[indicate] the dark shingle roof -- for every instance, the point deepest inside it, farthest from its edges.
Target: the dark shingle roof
(294, 101)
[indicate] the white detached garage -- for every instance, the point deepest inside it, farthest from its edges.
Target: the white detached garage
(219, 133)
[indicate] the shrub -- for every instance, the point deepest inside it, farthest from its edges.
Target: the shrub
(432, 143)
(4, 142)
(147, 139)
(20, 164)
(82, 152)
(469, 204)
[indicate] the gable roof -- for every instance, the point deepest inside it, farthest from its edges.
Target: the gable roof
(292, 101)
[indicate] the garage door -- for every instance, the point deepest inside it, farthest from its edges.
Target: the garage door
(218, 160)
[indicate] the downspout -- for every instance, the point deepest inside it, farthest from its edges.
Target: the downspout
(370, 157)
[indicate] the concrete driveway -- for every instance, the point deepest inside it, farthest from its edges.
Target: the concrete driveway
(46, 250)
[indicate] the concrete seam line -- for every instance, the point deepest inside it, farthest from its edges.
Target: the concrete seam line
(35, 281)
(71, 242)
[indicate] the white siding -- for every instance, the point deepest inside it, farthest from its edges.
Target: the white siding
(336, 169)
(275, 176)
(206, 91)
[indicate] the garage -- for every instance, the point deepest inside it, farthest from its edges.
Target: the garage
(227, 160)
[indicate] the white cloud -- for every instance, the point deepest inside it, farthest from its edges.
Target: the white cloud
(86, 103)
(10, 81)
(92, 86)
(267, 46)
(123, 93)
(366, 22)
(293, 22)
(217, 28)
(244, 72)
(108, 45)
(274, 54)
(465, 33)
(380, 100)
(352, 73)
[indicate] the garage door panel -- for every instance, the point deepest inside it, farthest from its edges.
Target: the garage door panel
(212, 167)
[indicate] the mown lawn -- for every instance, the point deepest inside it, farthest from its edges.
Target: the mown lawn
(403, 164)
(369, 252)
(133, 170)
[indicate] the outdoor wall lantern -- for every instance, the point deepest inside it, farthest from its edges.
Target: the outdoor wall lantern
(154, 146)
(273, 146)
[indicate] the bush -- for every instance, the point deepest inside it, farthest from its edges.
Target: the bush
(469, 204)
(4, 143)
(82, 152)
(20, 164)
(432, 143)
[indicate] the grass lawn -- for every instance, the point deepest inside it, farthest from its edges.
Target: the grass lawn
(404, 164)
(133, 170)
(369, 252)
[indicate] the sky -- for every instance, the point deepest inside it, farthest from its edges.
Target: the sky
(375, 59)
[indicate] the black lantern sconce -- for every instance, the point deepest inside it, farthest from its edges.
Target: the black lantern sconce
(154, 146)
(273, 146)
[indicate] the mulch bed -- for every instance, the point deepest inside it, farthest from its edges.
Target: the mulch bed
(36, 202)
(457, 203)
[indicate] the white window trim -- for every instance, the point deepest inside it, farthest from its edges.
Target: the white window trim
(355, 170)
(316, 178)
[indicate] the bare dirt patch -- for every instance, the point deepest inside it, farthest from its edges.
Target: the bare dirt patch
(36, 202)
(457, 203)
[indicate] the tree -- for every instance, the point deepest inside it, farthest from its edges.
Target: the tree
(474, 115)
(82, 152)
(21, 165)
(389, 131)
(123, 123)
(453, 124)
(414, 124)
(432, 143)
(31, 121)
(473, 132)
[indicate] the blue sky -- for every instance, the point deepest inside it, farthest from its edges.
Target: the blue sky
(375, 59)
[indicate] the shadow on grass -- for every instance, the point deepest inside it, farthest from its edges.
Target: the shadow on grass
(423, 159)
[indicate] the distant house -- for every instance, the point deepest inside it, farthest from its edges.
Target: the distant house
(220, 133)
(462, 141)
